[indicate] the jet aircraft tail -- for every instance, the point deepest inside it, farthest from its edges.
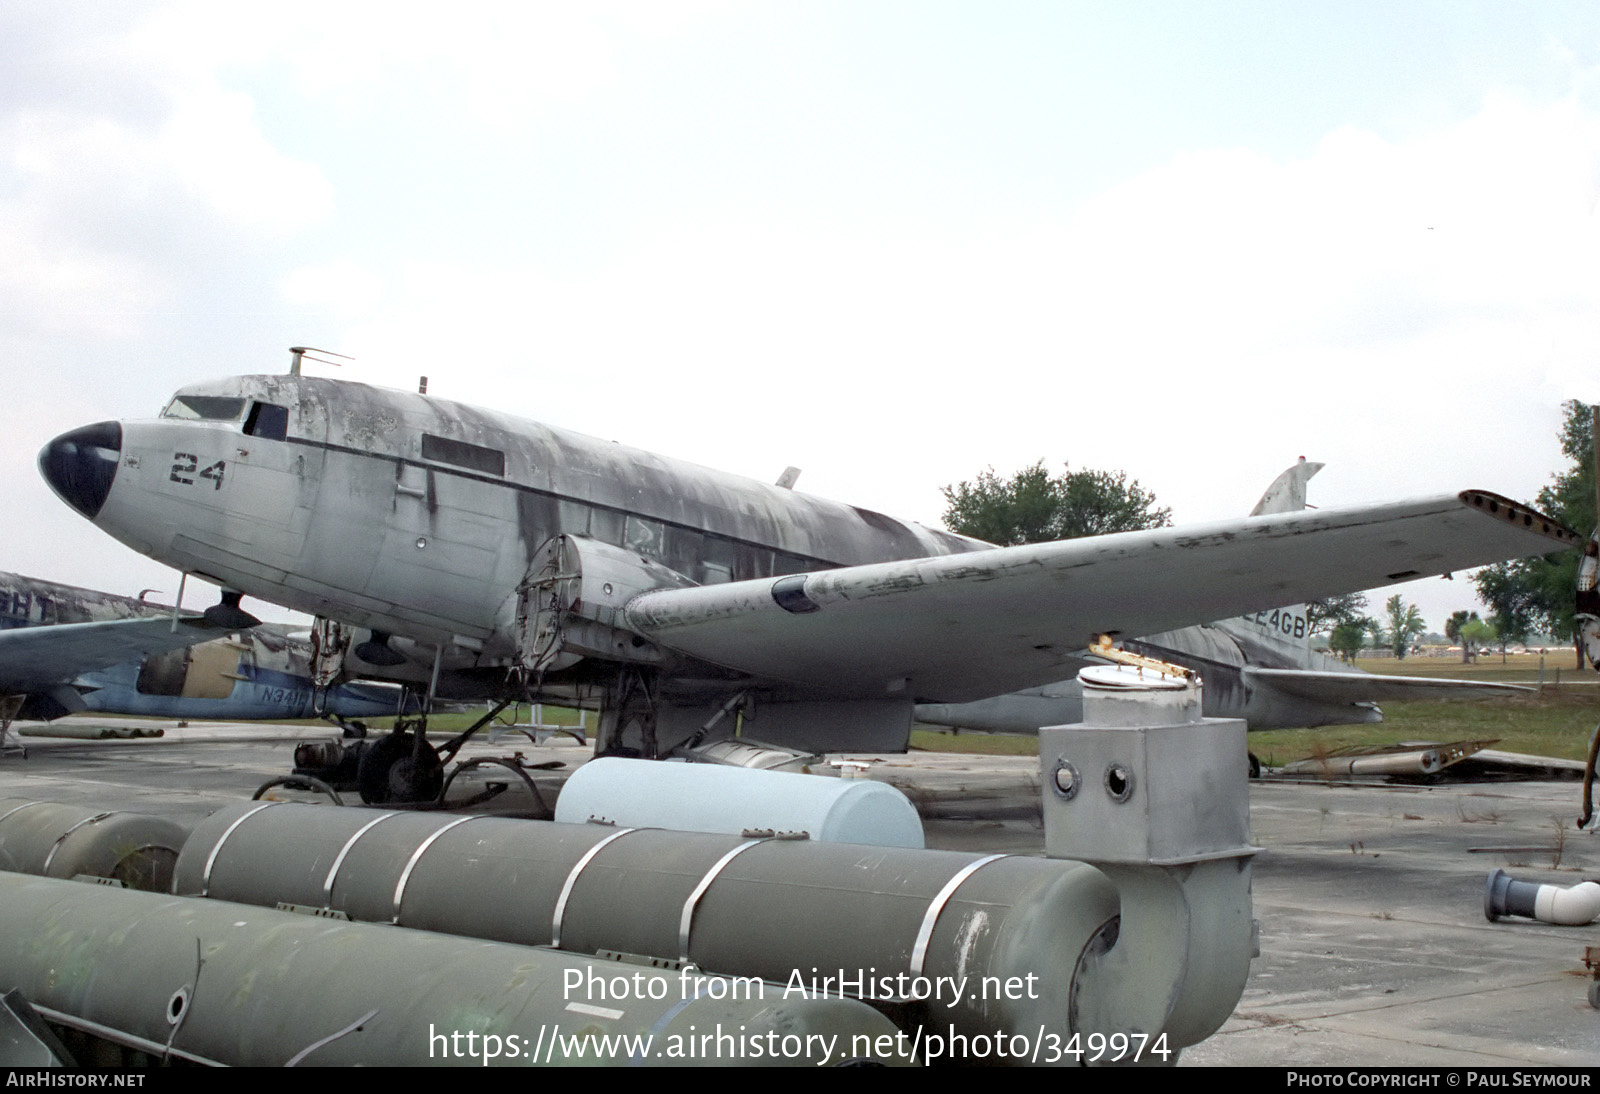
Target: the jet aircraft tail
(1290, 624)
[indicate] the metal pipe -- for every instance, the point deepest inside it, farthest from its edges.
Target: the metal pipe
(1573, 906)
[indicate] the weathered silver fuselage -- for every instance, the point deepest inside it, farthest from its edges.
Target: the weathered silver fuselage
(414, 516)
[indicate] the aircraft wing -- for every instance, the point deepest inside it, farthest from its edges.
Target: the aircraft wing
(955, 628)
(35, 658)
(1363, 687)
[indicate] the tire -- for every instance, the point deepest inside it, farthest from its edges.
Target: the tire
(389, 775)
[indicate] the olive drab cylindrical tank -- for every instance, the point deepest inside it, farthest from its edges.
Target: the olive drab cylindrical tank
(207, 981)
(995, 939)
(59, 840)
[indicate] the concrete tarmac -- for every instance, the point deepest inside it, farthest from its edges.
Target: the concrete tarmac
(1374, 945)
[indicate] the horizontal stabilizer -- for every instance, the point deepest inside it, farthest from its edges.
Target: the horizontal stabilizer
(1372, 687)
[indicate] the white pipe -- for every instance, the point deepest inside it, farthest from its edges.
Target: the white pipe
(1571, 907)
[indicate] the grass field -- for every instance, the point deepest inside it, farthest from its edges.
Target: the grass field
(1555, 721)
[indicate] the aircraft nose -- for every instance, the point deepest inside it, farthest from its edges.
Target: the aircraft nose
(80, 465)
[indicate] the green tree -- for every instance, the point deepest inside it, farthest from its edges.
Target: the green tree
(1034, 507)
(1452, 631)
(1513, 607)
(1537, 593)
(1405, 623)
(1336, 611)
(1348, 638)
(1476, 633)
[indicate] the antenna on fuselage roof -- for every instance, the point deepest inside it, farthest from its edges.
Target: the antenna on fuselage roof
(297, 352)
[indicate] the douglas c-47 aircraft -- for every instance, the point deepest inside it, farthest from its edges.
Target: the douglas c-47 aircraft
(487, 553)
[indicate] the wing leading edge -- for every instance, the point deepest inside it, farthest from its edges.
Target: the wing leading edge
(955, 628)
(35, 658)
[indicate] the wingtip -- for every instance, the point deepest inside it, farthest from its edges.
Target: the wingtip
(1503, 508)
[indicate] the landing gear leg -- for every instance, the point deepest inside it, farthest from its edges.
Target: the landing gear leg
(628, 719)
(350, 730)
(10, 742)
(404, 768)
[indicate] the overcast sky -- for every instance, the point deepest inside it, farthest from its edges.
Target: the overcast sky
(889, 243)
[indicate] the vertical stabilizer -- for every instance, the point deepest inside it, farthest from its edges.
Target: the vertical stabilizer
(1287, 494)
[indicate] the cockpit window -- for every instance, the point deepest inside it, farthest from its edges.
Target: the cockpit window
(208, 408)
(267, 420)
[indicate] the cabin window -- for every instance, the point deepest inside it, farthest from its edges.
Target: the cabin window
(684, 549)
(644, 536)
(716, 560)
(574, 518)
(752, 561)
(605, 525)
(473, 457)
(268, 420)
(206, 408)
(790, 564)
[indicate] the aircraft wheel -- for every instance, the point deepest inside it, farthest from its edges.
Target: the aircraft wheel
(1255, 766)
(389, 774)
(1594, 994)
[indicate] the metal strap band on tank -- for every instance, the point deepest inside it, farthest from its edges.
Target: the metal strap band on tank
(119, 1036)
(687, 919)
(572, 879)
(338, 860)
(416, 857)
(62, 838)
(211, 859)
(919, 952)
(18, 809)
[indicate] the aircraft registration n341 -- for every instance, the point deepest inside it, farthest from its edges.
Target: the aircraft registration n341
(488, 553)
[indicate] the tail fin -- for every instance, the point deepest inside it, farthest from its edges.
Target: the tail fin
(1287, 494)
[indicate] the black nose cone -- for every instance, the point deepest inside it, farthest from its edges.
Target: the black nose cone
(80, 465)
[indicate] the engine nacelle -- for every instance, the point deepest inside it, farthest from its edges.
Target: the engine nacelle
(569, 606)
(206, 671)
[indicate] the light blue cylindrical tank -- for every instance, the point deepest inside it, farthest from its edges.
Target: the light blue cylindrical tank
(730, 800)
